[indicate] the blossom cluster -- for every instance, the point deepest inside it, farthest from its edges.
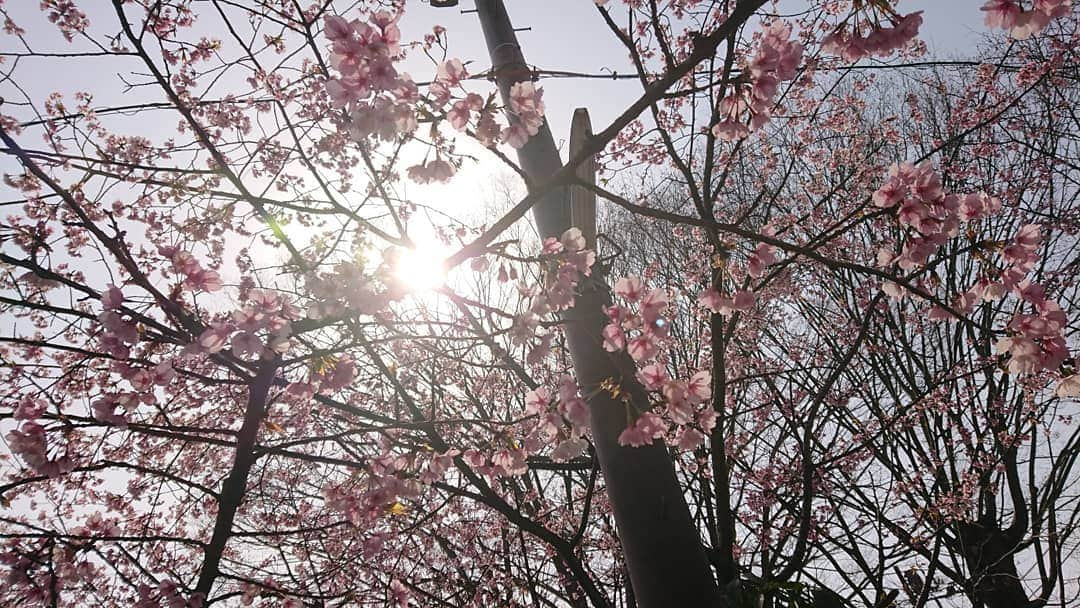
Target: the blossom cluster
(196, 278)
(265, 313)
(105, 407)
(638, 326)
(328, 375)
(29, 441)
(385, 483)
(118, 330)
(549, 413)
(36, 585)
(345, 289)
(1036, 341)
(742, 300)
(646, 324)
(764, 254)
(266, 588)
(682, 399)
(880, 41)
(527, 111)
(167, 593)
(923, 205)
(569, 261)
(67, 17)
(525, 116)
(382, 103)
(1023, 23)
(777, 60)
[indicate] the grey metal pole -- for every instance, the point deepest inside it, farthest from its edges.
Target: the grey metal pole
(539, 157)
(661, 545)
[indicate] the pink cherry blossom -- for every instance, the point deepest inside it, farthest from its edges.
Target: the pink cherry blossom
(653, 376)
(713, 301)
(1023, 23)
(511, 462)
(30, 442)
(880, 40)
(214, 339)
(653, 305)
(399, 594)
(247, 345)
(679, 408)
(614, 338)
(699, 387)
(339, 375)
(573, 240)
(112, 298)
(451, 72)
(576, 411)
(1001, 13)
(30, 409)
(743, 300)
(569, 449)
(689, 438)
(118, 327)
(459, 115)
(337, 28)
(645, 429)
(764, 254)
(642, 348)
(516, 135)
(199, 279)
(536, 401)
(432, 171)
(629, 288)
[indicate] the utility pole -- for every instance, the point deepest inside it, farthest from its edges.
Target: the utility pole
(583, 200)
(661, 545)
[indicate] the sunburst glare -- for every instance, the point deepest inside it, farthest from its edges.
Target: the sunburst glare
(422, 268)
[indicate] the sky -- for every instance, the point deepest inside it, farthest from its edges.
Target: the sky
(563, 35)
(570, 35)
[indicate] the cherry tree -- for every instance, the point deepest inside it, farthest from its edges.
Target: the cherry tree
(819, 352)
(913, 456)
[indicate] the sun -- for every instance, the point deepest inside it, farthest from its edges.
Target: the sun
(422, 268)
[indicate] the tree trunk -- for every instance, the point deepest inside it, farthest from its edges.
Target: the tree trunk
(990, 557)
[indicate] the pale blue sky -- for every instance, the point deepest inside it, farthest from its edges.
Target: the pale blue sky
(570, 35)
(565, 34)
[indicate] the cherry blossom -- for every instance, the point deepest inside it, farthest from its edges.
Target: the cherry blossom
(436, 170)
(647, 427)
(880, 41)
(112, 298)
(1023, 23)
(777, 60)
